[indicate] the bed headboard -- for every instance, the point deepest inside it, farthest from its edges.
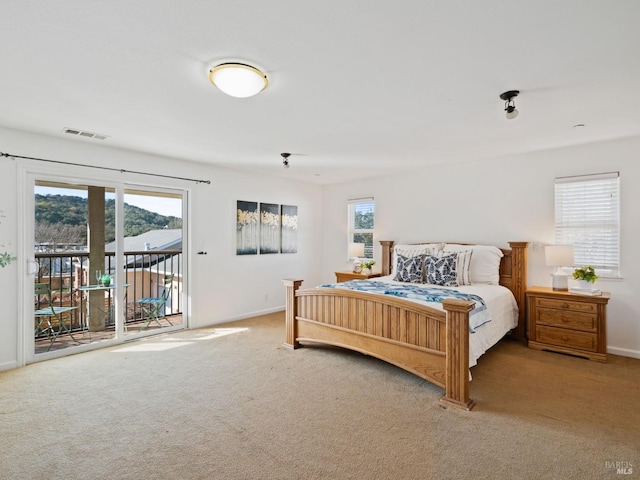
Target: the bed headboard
(513, 275)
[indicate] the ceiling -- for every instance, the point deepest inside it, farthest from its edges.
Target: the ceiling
(357, 88)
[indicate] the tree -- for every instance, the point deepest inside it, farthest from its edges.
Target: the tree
(63, 219)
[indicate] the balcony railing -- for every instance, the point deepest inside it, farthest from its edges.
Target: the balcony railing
(144, 271)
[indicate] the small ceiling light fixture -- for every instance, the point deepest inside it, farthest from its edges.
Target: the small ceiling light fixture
(238, 79)
(509, 104)
(285, 159)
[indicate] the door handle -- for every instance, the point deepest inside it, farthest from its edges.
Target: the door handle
(32, 267)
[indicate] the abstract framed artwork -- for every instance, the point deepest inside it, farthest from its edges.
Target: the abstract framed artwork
(289, 228)
(269, 228)
(266, 228)
(247, 228)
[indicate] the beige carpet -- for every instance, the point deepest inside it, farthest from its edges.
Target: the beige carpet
(231, 403)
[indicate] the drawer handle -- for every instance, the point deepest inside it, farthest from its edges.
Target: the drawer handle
(565, 305)
(564, 338)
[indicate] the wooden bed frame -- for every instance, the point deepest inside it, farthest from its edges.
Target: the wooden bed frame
(430, 343)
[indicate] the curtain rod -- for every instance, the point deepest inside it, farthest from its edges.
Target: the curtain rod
(121, 170)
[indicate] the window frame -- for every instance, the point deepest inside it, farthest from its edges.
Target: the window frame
(587, 216)
(352, 231)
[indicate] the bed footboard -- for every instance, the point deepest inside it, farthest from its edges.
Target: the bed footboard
(430, 343)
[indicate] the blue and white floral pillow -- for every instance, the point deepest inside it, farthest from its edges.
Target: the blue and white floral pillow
(409, 269)
(441, 270)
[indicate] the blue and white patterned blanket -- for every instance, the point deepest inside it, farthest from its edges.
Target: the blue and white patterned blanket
(477, 317)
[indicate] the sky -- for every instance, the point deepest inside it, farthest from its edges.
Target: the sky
(162, 205)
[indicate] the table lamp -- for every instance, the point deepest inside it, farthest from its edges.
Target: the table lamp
(559, 256)
(356, 250)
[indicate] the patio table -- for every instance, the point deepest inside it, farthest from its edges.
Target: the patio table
(107, 288)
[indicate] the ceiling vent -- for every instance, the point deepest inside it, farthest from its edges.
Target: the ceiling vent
(82, 133)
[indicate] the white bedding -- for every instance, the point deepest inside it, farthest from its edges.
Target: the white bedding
(502, 308)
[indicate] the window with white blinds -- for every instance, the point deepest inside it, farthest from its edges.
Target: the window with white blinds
(588, 217)
(361, 222)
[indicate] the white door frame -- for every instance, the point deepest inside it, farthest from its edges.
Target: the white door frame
(27, 176)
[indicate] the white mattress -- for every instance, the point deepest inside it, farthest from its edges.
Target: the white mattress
(502, 308)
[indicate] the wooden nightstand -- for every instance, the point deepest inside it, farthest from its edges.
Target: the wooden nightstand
(346, 276)
(568, 322)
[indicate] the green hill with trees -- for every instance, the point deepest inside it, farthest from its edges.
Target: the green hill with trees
(63, 219)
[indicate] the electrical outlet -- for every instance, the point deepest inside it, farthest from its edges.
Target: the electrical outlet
(266, 297)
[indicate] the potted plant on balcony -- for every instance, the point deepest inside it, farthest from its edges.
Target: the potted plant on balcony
(585, 276)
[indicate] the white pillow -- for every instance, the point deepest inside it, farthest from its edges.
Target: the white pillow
(484, 267)
(463, 265)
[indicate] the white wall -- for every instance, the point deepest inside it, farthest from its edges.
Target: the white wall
(223, 286)
(497, 201)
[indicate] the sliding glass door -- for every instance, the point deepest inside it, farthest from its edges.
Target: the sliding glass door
(72, 223)
(154, 261)
(108, 264)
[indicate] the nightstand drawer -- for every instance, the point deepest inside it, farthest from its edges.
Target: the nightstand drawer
(567, 319)
(567, 338)
(561, 304)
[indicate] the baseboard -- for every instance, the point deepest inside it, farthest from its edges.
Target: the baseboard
(623, 352)
(248, 315)
(8, 366)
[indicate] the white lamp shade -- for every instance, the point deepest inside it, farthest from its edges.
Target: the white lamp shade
(356, 250)
(559, 255)
(238, 79)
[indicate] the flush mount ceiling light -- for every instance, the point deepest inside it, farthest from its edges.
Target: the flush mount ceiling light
(509, 104)
(238, 79)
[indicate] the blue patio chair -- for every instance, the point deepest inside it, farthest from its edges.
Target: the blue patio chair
(153, 307)
(44, 315)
